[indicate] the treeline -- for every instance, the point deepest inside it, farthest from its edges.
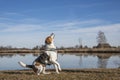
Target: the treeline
(62, 47)
(42, 47)
(12, 48)
(37, 47)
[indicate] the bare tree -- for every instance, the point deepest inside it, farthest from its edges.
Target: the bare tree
(101, 39)
(80, 42)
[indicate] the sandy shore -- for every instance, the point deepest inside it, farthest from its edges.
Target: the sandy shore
(65, 74)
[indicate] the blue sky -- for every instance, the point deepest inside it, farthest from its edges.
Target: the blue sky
(26, 23)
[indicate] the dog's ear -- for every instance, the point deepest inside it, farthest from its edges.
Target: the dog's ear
(48, 40)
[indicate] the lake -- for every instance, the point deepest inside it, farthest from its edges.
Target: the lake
(69, 61)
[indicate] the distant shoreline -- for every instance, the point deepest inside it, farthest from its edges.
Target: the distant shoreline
(75, 50)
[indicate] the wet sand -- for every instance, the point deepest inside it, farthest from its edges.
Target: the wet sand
(65, 74)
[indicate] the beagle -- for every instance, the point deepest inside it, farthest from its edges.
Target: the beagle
(49, 56)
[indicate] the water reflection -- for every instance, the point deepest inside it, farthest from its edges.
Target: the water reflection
(102, 62)
(75, 60)
(10, 55)
(6, 55)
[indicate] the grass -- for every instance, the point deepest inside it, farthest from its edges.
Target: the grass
(66, 74)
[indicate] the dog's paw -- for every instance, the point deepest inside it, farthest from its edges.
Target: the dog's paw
(57, 72)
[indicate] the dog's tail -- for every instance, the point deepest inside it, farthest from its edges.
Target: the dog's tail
(25, 65)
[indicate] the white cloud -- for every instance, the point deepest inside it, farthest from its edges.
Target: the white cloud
(20, 28)
(67, 32)
(89, 35)
(12, 14)
(30, 24)
(106, 28)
